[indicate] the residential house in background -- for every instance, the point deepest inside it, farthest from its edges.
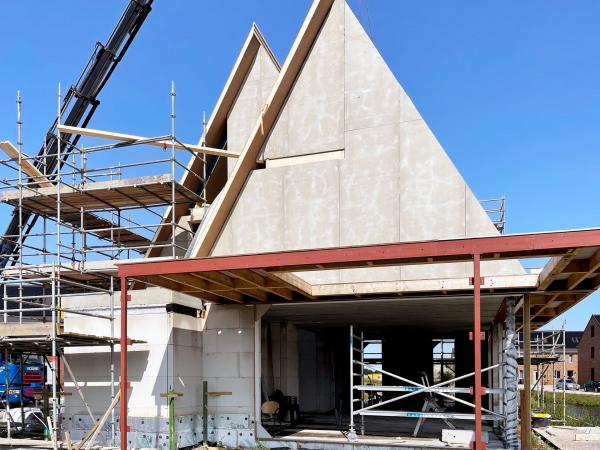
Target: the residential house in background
(547, 348)
(589, 362)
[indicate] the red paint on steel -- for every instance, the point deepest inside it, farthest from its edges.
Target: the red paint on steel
(123, 381)
(479, 445)
(454, 250)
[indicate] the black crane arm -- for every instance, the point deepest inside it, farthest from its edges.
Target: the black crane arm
(79, 105)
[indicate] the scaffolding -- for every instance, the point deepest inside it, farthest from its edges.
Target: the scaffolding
(94, 212)
(548, 350)
(496, 210)
(431, 409)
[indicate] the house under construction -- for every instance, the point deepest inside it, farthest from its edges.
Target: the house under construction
(314, 273)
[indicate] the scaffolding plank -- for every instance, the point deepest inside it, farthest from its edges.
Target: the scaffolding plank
(100, 227)
(147, 191)
(26, 165)
(41, 343)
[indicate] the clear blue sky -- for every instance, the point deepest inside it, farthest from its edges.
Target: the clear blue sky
(511, 89)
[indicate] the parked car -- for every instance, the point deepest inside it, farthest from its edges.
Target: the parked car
(592, 386)
(569, 384)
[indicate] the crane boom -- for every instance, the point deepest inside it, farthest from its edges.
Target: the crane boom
(79, 105)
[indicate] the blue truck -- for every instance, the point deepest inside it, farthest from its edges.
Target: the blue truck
(30, 383)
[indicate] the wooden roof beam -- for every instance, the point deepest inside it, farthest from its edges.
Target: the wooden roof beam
(130, 138)
(230, 284)
(593, 266)
(262, 283)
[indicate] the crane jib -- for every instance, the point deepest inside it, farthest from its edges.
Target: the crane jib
(77, 110)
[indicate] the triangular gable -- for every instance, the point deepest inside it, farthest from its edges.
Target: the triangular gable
(349, 161)
(210, 229)
(255, 49)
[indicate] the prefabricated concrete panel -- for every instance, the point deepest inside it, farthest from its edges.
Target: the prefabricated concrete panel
(394, 184)
(250, 102)
(315, 126)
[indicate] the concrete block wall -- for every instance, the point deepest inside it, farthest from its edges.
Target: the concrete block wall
(228, 358)
(171, 356)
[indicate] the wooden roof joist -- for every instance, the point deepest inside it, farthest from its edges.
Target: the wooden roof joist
(132, 139)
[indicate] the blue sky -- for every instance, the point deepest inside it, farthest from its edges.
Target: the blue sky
(509, 88)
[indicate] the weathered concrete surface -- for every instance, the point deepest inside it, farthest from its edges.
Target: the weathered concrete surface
(394, 184)
(249, 102)
(571, 438)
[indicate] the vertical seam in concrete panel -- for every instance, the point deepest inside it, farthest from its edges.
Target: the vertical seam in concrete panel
(339, 165)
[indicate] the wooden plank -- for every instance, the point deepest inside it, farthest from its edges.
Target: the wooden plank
(262, 283)
(154, 190)
(247, 161)
(593, 265)
(131, 138)
(554, 267)
(26, 164)
(203, 285)
(225, 282)
(25, 329)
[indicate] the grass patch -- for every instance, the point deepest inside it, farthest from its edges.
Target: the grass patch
(574, 399)
(583, 420)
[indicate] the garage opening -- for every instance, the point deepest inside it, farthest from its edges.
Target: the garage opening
(397, 349)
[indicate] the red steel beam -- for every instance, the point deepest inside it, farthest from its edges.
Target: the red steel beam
(453, 250)
(123, 380)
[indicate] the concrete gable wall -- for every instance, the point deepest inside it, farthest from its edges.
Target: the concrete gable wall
(249, 102)
(394, 183)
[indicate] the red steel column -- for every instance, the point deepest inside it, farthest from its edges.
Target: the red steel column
(123, 381)
(479, 444)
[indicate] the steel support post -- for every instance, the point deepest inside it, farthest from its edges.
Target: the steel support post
(123, 382)
(479, 444)
(352, 431)
(526, 408)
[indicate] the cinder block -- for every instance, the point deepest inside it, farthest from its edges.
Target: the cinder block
(235, 340)
(77, 435)
(184, 423)
(247, 364)
(163, 425)
(227, 438)
(232, 421)
(66, 421)
(218, 364)
(162, 441)
(144, 424)
(82, 422)
(221, 317)
(186, 439)
(246, 439)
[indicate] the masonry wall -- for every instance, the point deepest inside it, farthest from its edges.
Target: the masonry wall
(170, 357)
(588, 348)
(572, 370)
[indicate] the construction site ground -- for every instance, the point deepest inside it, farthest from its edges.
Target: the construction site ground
(571, 438)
